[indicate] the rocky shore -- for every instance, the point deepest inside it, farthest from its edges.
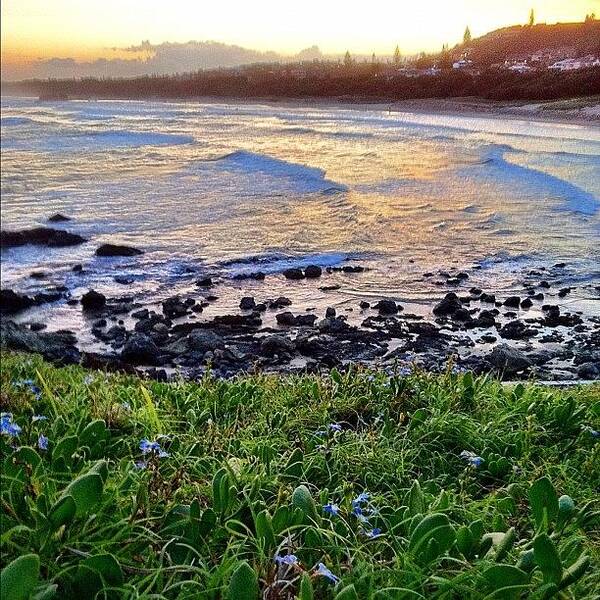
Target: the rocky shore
(470, 328)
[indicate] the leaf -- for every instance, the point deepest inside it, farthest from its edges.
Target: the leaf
(566, 509)
(65, 449)
(499, 576)
(264, 531)
(396, 593)
(547, 559)
(47, 592)
(544, 503)
(505, 546)
(575, 572)
(431, 537)
(416, 500)
(302, 499)
(63, 512)
(306, 588)
(19, 578)
(86, 491)
(348, 593)
(293, 468)
(243, 584)
(97, 572)
(151, 410)
(465, 542)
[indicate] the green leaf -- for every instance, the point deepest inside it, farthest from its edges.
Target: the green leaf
(348, 593)
(416, 500)
(544, 503)
(243, 584)
(65, 449)
(48, 592)
(264, 531)
(63, 512)
(431, 537)
(306, 588)
(505, 546)
(575, 572)
(19, 578)
(499, 576)
(293, 468)
(465, 542)
(302, 499)
(396, 593)
(93, 433)
(97, 572)
(547, 559)
(566, 509)
(86, 491)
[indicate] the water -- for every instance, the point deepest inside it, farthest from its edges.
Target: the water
(227, 188)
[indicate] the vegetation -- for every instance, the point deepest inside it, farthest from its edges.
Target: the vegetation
(349, 486)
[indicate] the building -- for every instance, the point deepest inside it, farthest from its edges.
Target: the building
(574, 64)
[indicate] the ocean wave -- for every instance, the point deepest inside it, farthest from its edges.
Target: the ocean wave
(298, 177)
(15, 121)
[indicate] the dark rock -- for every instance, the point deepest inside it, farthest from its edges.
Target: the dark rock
(93, 300)
(77, 268)
(140, 349)
(462, 314)
(117, 250)
(306, 320)
(488, 339)
(513, 302)
(40, 236)
(37, 326)
(526, 303)
(543, 284)
(251, 321)
(462, 276)
(123, 280)
(364, 304)
(386, 307)
(589, 370)
(38, 275)
(11, 302)
(313, 271)
(280, 302)
(286, 319)
(488, 298)
(100, 323)
(564, 291)
(58, 218)
(276, 345)
(205, 282)
(476, 292)
(330, 313)
(175, 307)
(539, 296)
(449, 305)
(141, 314)
(55, 346)
(293, 274)
(353, 269)
(258, 276)
(247, 303)
(517, 330)
(508, 360)
(485, 319)
(330, 288)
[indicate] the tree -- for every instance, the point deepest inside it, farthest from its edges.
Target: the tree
(397, 56)
(531, 18)
(347, 59)
(467, 36)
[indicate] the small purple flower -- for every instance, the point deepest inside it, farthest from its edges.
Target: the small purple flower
(7, 427)
(42, 442)
(325, 572)
(373, 533)
(334, 427)
(148, 447)
(472, 459)
(331, 509)
(362, 498)
(288, 559)
(141, 464)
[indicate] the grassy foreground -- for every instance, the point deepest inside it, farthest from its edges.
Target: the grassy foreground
(348, 486)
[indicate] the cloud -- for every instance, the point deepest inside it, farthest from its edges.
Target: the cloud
(161, 59)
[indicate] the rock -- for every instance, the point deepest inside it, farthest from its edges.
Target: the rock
(330, 288)
(330, 313)
(513, 302)
(449, 305)
(93, 300)
(552, 311)
(508, 360)
(40, 236)
(485, 319)
(544, 284)
(141, 314)
(293, 274)
(589, 370)
(364, 304)
(386, 307)
(462, 314)
(280, 302)
(175, 307)
(564, 291)
(38, 275)
(517, 330)
(353, 269)
(123, 280)
(276, 345)
(140, 349)
(11, 302)
(117, 250)
(37, 326)
(313, 272)
(258, 276)
(488, 298)
(251, 321)
(205, 282)
(205, 341)
(306, 320)
(77, 268)
(58, 218)
(462, 276)
(286, 319)
(247, 303)
(526, 303)
(55, 346)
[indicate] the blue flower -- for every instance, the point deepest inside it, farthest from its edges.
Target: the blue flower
(373, 533)
(148, 447)
(7, 427)
(325, 572)
(334, 427)
(42, 442)
(331, 509)
(288, 559)
(88, 379)
(33, 388)
(362, 498)
(472, 459)
(125, 406)
(140, 464)
(36, 418)
(592, 432)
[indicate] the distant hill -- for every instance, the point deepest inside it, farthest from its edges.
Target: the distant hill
(521, 41)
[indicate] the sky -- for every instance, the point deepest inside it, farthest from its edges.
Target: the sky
(84, 30)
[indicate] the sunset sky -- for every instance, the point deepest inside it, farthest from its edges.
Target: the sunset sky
(88, 29)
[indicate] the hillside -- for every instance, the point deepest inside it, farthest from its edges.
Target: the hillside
(518, 41)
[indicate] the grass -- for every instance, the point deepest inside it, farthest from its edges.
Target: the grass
(251, 462)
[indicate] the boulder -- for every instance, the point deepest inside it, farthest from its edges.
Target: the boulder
(293, 274)
(93, 300)
(58, 218)
(513, 302)
(140, 349)
(386, 307)
(247, 303)
(40, 236)
(287, 319)
(508, 360)
(517, 330)
(117, 250)
(276, 345)
(11, 302)
(313, 272)
(449, 305)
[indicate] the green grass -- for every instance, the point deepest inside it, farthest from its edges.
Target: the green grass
(248, 474)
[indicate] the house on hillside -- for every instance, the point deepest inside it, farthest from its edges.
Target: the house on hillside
(574, 64)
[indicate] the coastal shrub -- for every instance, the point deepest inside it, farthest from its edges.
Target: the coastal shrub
(352, 485)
